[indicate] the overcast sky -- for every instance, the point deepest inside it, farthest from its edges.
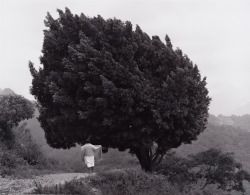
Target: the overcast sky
(214, 34)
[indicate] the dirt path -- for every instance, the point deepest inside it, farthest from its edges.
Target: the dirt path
(24, 186)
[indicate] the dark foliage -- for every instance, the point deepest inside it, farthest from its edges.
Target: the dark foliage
(125, 90)
(69, 187)
(13, 109)
(224, 137)
(24, 157)
(178, 171)
(208, 167)
(220, 168)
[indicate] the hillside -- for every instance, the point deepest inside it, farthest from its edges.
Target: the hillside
(233, 120)
(230, 138)
(225, 137)
(242, 110)
(6, 91)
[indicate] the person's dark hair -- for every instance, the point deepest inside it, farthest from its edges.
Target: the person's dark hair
(87, 140)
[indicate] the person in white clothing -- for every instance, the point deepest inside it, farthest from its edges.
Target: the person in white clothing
(89, 153)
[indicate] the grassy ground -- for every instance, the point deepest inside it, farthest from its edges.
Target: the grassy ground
(117, 181)
(125, 182)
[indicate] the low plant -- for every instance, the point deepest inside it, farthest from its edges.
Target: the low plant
(131, 181)
(70, 187)
(9, 162)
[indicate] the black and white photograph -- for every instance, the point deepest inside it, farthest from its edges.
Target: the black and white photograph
(125, 97)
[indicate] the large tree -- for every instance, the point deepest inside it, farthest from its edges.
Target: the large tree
(100, 78)
(13, 109)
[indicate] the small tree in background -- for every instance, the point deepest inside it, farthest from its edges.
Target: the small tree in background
(13, 109)
(27, 148)
(210, 167)
(104, 80)
(216, 167)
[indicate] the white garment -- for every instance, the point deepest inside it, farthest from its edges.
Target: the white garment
(89, 161)
(91, 150)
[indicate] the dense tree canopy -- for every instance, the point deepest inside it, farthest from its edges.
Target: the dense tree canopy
(101, 78)
(13, 109)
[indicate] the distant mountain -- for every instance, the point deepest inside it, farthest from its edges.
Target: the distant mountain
(225, 137)
(6, 91)
(233, 120)
(245, 109)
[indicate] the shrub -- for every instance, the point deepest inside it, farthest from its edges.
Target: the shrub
(70, 187)
(131, 181)
(24, 157)
(177, 170)
(9, 161)
(27, 148)
(211, 167)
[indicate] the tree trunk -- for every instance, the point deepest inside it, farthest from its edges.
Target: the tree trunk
(143, 155)
(147, 159)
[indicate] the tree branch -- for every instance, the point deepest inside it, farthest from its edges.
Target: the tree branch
(150, 153)
(157, 163)
(204, 186)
